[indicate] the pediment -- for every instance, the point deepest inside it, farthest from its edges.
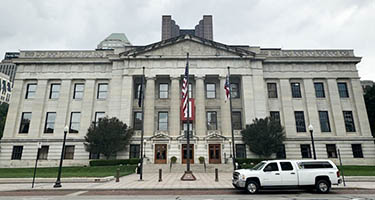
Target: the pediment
(195, 46)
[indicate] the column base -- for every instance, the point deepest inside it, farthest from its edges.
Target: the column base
(188, 176)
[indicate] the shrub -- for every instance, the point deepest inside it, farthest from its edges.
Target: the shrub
(201, 159)
(173, 159)
(132, 161)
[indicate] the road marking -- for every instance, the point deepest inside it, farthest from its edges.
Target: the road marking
(76, 193)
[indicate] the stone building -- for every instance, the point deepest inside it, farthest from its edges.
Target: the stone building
(5, 88)
(298, 87)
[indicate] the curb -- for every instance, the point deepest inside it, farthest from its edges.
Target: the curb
(52, 180)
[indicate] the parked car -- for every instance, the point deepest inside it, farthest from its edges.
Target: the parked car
(316, 174)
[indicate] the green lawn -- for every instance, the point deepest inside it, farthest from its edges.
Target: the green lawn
(358, 170)
(97, 171)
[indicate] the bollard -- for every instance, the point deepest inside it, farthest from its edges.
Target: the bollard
(160, 175)
(118, 175)
(216, 175)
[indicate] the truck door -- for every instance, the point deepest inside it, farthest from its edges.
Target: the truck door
(288, 174)
(271, 175)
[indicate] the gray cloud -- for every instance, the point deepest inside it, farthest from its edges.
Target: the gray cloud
(290, 24)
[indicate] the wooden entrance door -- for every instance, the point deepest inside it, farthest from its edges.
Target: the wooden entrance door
(184, 153)
(214, 153)
(160, 154)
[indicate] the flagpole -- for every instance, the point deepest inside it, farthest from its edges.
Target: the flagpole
(231, 121)
(143, 111)
(188, 118)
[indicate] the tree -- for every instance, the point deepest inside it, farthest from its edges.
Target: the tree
(107, 137)
(264, 136)
(370, 106)
(3, 117)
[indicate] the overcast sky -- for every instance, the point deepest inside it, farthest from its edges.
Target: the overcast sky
(287, 24)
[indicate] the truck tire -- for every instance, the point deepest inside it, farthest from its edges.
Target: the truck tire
(322, 186)
(252, 187)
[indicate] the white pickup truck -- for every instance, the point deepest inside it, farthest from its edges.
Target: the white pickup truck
(318, 174)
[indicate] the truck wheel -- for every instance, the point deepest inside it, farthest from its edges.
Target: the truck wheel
(322, 186)
(252, 187)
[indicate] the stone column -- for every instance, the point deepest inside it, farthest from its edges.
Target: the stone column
(337, 114)
(287, 108)
(224, 110)
(200, 107)
(38, 116)
(87, 106)
(312, 110)
(127, 98)
(149, 107)
(362, 126)
(62, 112)
(14, 113)
(115, 95)
(260, 100)
(248, 98)
(175, 107)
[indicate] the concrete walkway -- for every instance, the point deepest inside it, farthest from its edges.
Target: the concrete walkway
(150, 181)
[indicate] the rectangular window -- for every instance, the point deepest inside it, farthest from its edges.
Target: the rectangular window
(240, 151)
(272, 90)
(30, 91)
(78, 90)
(98, 116)
(235, 90)
(305, 151)
(54, 92)
(163, 121)
(357, 150)
(75, 119)
(237, 124)
(134, 151)
(296, 90)
(319, 90)
(190, 90)
(349, 121)
(17, 152)
(69, 152)
(286, 166)
(343, 90)
(211, 120)
(43, 153)
(163, 90)
(137, 121)
(94, 156)
(331, 150)
(281, 152)
(300, 121)
(49, 125)
(275, 115)
(102, 91)
(324, 121)
(210, 90)
(25, 122)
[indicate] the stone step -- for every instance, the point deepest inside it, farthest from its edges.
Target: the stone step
(180, 168)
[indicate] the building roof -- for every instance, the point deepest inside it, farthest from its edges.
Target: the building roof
(115, 40)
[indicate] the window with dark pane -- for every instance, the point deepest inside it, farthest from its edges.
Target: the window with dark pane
(137, 121)
(69, 152)
(357, 150)
(324, 121)
(25, 122)
(235, 90)
(331, 150)
(211, 120)
(275, 115)
(240, 151)
(300, 121)
(281, 152)
(305, 151)
(43, 153)
(319, 90)
(134, 151)
(272, 90)
(17, 152)
(349, 121)
(237, 123)
(343, 89)
(49, 126)
(296, 90)
(75, 119)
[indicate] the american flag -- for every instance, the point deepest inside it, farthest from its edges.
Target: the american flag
(227, 87)
(185, 85)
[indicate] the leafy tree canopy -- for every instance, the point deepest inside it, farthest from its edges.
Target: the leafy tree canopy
(264, 136)
(107, 137)
(3, 117)
(370, 106)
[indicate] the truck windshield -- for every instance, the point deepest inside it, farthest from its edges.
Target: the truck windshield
(258, 166)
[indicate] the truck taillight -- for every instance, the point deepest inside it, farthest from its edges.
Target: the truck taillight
(338, 174)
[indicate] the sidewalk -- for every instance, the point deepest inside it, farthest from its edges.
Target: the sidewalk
(204, 181)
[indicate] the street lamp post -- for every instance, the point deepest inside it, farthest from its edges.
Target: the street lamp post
(58, 182)
(39, 146)
(311, 129)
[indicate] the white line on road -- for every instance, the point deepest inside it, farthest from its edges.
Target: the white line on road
(76, 193)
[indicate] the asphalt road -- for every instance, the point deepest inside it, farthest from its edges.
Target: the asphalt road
(182, 195)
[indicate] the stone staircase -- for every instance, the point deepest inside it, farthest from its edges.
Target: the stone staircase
(180, 168)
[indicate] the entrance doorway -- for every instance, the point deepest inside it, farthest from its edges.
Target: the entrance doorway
(160, 154)
(214, 153)
(184, 153)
